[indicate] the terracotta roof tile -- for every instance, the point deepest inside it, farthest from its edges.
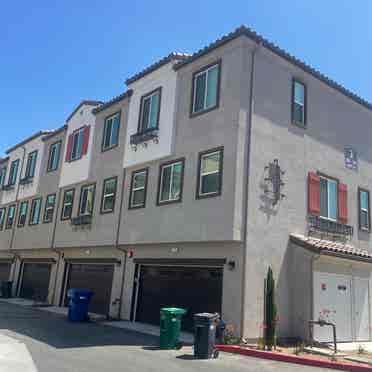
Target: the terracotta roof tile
(328, 246)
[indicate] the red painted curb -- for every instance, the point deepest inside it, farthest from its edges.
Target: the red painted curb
(342, 366)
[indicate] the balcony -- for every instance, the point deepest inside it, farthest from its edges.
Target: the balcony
(8, 187)
(25, 180)
(82, 220)
(322, 225)
(150, 134)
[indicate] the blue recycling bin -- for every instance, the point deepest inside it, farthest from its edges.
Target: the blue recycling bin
(78, 306)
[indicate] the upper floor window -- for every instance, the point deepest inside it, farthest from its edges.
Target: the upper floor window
(10, 217)
(298, 103)
(364, 210)
(13, 173)
(328, 198)
(54, 156)
(87, 200)
(49, 208)
(31, 165)
(2, 217)
(111, 132)
(206, 89)
(150, 111)
(77, 144)
(67, 204)
(2, 176)
(171, 182)
(210, 173)
(22, 214)
(138, 187)
(35, 211)
(108, 195)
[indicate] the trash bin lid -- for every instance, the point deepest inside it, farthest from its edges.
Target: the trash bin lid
(75, 292)
(173, 310)
(206, 316)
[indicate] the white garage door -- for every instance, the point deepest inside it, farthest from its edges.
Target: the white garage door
(344, 301)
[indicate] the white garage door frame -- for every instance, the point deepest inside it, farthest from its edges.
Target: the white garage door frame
(345, 300)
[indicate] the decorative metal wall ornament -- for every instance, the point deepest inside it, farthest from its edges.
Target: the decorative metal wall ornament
(274, 181)
(351, 158)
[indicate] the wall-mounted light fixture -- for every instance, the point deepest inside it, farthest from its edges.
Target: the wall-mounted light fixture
(231, 265)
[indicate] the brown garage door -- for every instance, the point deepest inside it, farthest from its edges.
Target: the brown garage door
(97, 278)
(193, 288)
(4, 271)
(35, 281)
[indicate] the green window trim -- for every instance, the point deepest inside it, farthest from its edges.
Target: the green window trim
(10, 217)
(50, 203)
(364, 214)
(54, 156)
(67, 204)
(328, 198)
(138, 189)
(109, 195)
(111, 131)
(299, 103)
(87, 196)
(2, 175)
(31, 165)
(35, 212)
(149, 115)
(22, 214)
(2, 217)
(13, 173)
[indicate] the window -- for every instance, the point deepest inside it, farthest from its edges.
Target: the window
(54, 155)
(328, 198)
(137, 198)
(150, 111)
(22, 214)
(77, 144)
(49, 208)
(35, 212)
(364, 210)
(67, 205)
(108, 195)
(210, 173)
(13, 173)
(86, 200)
(2, 176)
(2, 217)
(31, 165)
(171, 179)
(111, 132)
(10, 217)
(206, 89)
(298, 103)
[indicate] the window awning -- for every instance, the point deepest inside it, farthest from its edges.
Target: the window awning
(331, 248)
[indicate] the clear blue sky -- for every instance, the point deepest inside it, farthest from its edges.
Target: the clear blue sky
(55, 53)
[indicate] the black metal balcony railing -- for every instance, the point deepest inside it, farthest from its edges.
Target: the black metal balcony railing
(25, 180)
(147, 135)
(319, 224)
(82, 220)
(8, 187)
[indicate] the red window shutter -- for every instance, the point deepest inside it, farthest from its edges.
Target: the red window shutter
(69, 147)
(86, 133)
(342, 202)
(313, 193)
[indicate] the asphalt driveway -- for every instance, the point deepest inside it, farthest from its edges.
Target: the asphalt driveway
(48, 342)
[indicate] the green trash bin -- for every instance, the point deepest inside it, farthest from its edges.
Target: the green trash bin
(170, 327)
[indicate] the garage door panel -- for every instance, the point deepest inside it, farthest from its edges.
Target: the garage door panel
(195, 289)
(4, 271)
(96, 277)
(35, 281)
(361, 308)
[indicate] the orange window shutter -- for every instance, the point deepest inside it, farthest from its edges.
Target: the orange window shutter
(69, 148)
(313, 193)
(342, 202)
(86, 135)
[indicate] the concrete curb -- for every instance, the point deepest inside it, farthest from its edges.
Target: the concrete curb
(342, 366)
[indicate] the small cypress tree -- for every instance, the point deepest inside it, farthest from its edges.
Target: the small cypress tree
(270, 310)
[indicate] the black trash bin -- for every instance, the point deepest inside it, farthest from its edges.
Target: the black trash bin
(6, 289)
(220, 332)
(205, 335)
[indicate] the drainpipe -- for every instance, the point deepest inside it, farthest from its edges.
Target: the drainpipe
(117, 244)
(313, 259)
(246, 181)
(16, 199)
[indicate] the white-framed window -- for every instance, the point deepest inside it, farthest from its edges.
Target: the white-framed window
(54, 156)
(35, 211)
(138, 189)
(150, 111)
(13, 173)
(49, 208)
(77, 144)
(171, 182)
(298, 103)
(10, 217)
(210, 173)
(87, 200)
(364, 210)
(206, 88)
(31, 165)
(67, 204)
(22, 214)
(2, 217)
(328, 198)
(109, 195)
(111, 132)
